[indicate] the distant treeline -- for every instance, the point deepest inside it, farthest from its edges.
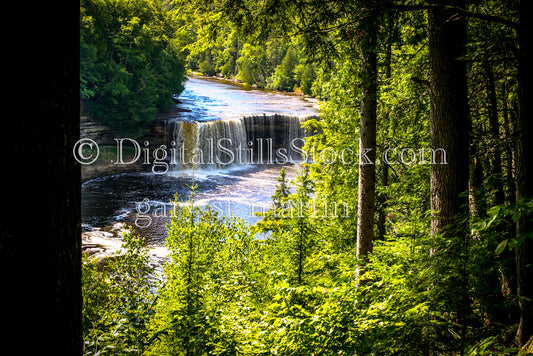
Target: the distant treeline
(130, 65)
(275, 64)
(134, 55)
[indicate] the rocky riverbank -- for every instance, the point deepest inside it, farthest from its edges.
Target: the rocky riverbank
(105, 137)
(105, 243)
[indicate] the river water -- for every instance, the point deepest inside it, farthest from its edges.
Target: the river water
(142, 199)
(214, 99)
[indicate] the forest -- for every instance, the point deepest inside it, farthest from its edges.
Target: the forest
(433, 256)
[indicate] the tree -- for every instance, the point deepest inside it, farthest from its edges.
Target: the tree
(381, 198)
(251, 65)
(367, 140)
(193, 242)
(450, 122)
(118, 299)
(130, 68)
(283, 77)
(524, 174)
(450, 127)
(40, 239)
(206, 282)
(282, 191)
(288, 220)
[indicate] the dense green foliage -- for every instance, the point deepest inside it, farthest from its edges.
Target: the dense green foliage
(287, 285)
(273, 65)
(117, 300)
(130, 66)
(212, 47)
(225, 292)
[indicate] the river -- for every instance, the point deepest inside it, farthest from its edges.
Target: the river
(213, 111)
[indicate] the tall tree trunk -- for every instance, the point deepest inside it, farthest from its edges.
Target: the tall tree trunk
(494, 135)
(382, 202)
(509, 129)
(506, 268)
(477, 201)
(367, 142)
(450, 122)
(449, 130)
(508, 282)
(40, 246)
(524, 173)
(382, 197)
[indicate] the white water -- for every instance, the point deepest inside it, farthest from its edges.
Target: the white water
(213, 99)
(252, 126)
(227, 143)
(214, 144)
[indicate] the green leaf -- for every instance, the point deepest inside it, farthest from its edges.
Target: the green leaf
(501, 246)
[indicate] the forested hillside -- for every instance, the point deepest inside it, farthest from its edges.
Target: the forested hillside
(134, 55)
(129, 63)
(279, 64)
(423, 145)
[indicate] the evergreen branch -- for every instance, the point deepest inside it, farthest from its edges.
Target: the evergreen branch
(476, 15)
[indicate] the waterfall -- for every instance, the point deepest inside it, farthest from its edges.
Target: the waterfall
(274, 137)
(212, 144)
(258, 139)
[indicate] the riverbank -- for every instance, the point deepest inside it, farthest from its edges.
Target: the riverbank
(105, 137)
(244, 86)
(209, 110)
(104, 244)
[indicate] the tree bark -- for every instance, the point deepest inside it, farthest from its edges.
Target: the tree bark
(367, 142)
(450, 122)
(494, 135)
(382, 198)
(449, 130)
(40, 246)
(477, 201)
(509, 128)
(382, 201)
(524, 173)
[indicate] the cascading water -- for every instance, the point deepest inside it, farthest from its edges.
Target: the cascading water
(276, 137)
(210, 144)
(257, 139)
(215, 120)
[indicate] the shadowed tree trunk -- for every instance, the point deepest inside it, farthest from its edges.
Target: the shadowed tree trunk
(477, 200)
(494, 135)
(367, 143)
(524, 173)
(450, 123)
(41, 232)
(449, 130)
(382, 198)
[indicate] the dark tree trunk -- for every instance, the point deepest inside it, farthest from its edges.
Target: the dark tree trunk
(508, 282)
(382, 197)
(450, 123)
(449, 130)
(367, 143)
(524, 173)
(506, 267)
(476, 197)
(382, 200)
(495, 136)
(41, 232)
(509, 123)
